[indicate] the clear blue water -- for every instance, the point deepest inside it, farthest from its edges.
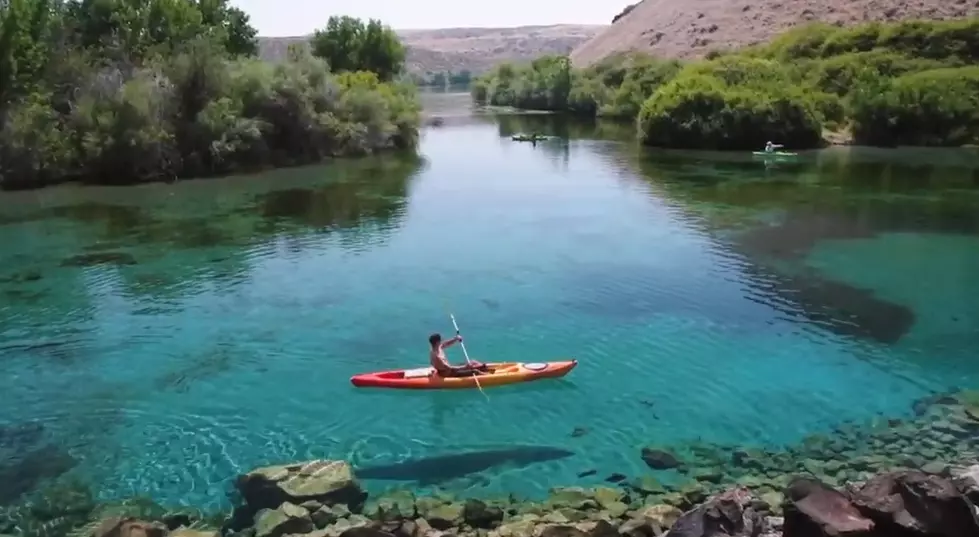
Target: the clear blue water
(706, 297)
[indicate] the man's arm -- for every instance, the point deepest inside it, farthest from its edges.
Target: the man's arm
(450, 342)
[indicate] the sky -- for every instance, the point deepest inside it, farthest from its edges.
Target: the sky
(280, 18)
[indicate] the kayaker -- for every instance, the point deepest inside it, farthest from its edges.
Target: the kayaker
(770, 147)
(436, 356)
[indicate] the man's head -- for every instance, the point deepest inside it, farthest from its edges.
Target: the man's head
(435, 339)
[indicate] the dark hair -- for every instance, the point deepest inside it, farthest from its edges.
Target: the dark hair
(435, 338)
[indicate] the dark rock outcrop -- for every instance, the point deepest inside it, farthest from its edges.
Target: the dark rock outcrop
(727, 514)
(913, 503)
(813, 509)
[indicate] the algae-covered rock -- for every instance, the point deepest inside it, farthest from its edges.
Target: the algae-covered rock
(288, 518)
(555, 530)
(574, 497)
(479, 514)
(519, 526)
(648, 485)
(328, 482)
(188, 532)
(606, 496)
(445, 516)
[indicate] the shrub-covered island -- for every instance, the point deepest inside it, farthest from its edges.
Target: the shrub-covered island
(122, 91)
(906, 83)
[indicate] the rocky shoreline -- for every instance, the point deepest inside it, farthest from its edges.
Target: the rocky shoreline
(891, 478)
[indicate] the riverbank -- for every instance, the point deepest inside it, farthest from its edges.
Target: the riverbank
(852, 481)
(904, 83)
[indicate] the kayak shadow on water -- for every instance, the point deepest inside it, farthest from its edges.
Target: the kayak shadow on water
(442, 468)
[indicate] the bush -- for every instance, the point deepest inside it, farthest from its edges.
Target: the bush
(200, 114)
(699, 110)
(931, 108)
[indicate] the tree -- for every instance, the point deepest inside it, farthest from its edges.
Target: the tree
(138, 28)
(24, 29)
(347, 44)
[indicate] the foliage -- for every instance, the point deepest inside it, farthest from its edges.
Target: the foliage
(114, 91)
(933, 108)
(441, 79)
(707, 111)
(875, 79)
(347, 44)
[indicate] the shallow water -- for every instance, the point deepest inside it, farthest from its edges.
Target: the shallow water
(706, 296)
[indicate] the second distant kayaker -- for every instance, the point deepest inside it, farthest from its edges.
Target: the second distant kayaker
(436, 356)
(770, 147)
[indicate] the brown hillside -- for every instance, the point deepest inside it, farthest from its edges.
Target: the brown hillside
(472, 49)
(685, 29)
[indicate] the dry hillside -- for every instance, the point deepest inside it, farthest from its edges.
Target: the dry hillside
(685, 29)
(472, 49)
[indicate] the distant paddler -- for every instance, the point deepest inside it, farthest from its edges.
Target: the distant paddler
(770, 147)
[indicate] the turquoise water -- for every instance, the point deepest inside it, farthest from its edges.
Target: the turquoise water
(706, 297)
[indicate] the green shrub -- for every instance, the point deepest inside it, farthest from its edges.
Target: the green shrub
(198, 113)
(702, 111)
(114, 91)
(813, 75)
(931, 108)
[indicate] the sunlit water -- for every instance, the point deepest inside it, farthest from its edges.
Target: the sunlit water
(706, 296)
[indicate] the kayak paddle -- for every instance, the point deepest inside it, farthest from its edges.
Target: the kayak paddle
(466, 354)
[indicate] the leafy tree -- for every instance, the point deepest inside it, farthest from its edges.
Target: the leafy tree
(25, 26)
(139, 28)
(347, 44)
(125, 91)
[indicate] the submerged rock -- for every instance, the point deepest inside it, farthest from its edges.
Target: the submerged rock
(99, 258)
(658, 459)
(327, 482)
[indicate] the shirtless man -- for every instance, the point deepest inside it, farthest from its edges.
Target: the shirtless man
(436, 356)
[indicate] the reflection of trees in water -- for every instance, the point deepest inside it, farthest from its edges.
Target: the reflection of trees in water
(165, 243)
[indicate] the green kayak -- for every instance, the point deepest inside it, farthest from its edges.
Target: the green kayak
(528, 138)
(774, 154)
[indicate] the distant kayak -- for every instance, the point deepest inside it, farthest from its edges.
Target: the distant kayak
(528, 137)
(498, 374)
(774, 154)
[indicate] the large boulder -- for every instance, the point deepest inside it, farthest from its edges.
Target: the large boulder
(727, 514)
(967, 481)
(813, 509)
(915, 503)
(327, 482)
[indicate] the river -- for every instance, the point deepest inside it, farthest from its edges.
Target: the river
(159, 339)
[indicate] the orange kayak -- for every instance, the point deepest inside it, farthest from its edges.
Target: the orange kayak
(499, 374)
